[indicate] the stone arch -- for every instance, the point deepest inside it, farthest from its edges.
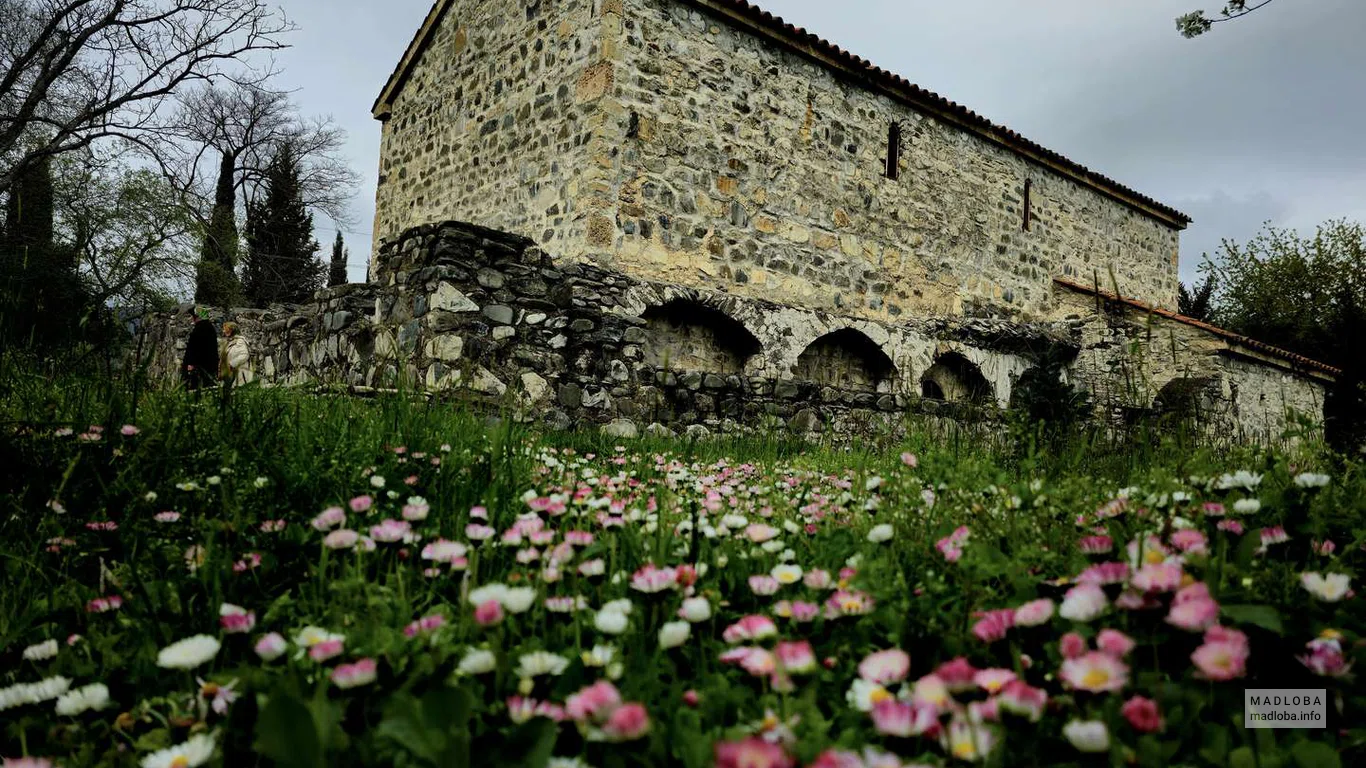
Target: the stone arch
(846, 358)
(1190, 398)
(953, 378)
(687, 335)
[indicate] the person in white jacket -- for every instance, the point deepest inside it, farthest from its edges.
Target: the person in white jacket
(234, 364)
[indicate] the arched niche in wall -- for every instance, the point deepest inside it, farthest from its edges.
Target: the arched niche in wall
(955, 379)
(684, 335)
(848, 359)
(1192, 398)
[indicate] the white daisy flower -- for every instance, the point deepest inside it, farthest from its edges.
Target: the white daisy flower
(88, 698)
(188, 653)
(41, 652)
(540, 663)
(477, 661)
(190, 754)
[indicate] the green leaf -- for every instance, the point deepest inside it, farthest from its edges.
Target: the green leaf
(1242, 757)
(688, 744)
(1215, 749)
(1150, 752)
(434, 729)
(405, 723)
(1263, 616)
(153, 740)
(1247, 548)
(448, 710)
(1265, 741)
(287, 733)
(531, 745)
(1315, 754)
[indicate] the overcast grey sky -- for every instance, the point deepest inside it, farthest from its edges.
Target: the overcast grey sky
(1261, 119)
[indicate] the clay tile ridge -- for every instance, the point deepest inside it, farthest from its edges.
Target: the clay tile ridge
(1242, 341)
(763, 23)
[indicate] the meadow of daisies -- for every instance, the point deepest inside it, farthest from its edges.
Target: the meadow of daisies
(303, 580)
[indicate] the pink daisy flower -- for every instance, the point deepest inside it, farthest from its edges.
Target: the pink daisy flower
(1115, 643)
(958, 675)
(1034, 613)
(903, 719)
(1020, 698)
(1096, 545)
(1223, 655)
(753, 627)
(1096, 672)
(885, 667)
(993, 680)
(993, 625)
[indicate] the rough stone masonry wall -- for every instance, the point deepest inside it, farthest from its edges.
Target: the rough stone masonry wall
(650, 137)
(1141, 364)
(493, 122)
(471, 311)
(465, 307)
(466, 310)
(330, 340)
(745, 168)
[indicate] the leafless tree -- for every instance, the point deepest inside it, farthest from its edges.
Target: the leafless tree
(228, 136)
(73, 72)
(242, 127)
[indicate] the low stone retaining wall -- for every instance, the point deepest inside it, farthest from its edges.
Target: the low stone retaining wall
(465, 310)
(458, 309)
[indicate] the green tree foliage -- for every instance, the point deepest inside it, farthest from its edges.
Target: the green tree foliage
(1195, 302)
(1288, 290)
(1345, 405)
(336, 274)
(1304, 294)
(281, 264)
(136, 243)
(1196, 23)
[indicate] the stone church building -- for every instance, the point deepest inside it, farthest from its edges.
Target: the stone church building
(690, 212)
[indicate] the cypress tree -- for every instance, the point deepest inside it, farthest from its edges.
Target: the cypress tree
(215, 281)
(336, 275)
(43, 299)
(29, 211)
(281, 264)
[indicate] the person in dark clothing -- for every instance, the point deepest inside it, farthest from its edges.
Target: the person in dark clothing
(200, 366)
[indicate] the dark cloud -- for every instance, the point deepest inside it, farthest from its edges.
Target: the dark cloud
(1257, 120)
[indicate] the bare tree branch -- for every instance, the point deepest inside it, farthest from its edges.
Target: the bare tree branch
(75, 72)
(250, 124)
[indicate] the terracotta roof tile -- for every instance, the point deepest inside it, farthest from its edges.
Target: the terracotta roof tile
(1242, 341)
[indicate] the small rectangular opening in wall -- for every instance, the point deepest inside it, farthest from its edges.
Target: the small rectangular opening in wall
(893, 150)
(633, 127)
(1028, 214)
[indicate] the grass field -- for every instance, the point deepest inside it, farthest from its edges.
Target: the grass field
(311, 580)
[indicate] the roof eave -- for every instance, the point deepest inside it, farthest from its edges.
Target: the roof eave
(384, 104)
(763, 24)
(1236, 343)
